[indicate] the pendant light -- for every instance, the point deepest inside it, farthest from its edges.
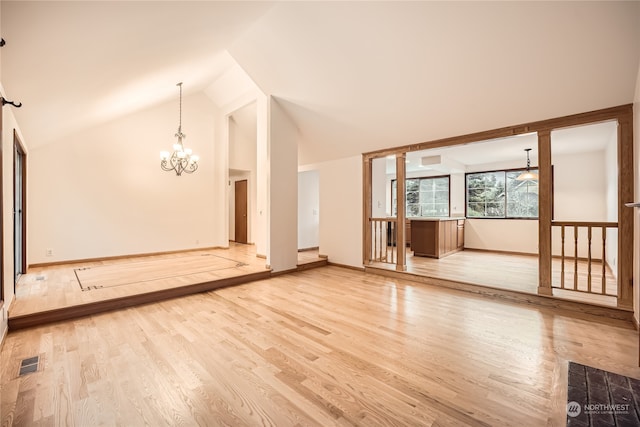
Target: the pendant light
(528, 175)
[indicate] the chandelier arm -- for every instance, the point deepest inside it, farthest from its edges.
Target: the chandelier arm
(191, 168)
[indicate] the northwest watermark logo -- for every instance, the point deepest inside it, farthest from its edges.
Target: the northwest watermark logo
(573, 409)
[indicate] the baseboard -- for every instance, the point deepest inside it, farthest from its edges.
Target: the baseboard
(117, 257)
(500, 252)
(313, 248)
(280, 273)
(4, 323)
(350, 267)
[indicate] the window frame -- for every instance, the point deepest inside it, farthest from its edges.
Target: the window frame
(506, 199)
(423, 177)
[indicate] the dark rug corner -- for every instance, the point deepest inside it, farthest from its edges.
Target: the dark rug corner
(600, 398)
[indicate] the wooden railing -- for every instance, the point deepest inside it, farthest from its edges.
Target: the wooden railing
(580, 263)
(384, 233)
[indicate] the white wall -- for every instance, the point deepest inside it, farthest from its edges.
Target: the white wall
(252, 158)
(582, 189)
(458, 188)
(511, 235)
(341, 202)
(262, 173)
(242, 147)
(101, 192)
(282, 183)
(242, 165)
(580, 186)
(380, 189)
(8, 126)
(308, 209)
(7, 297)
(636, 175)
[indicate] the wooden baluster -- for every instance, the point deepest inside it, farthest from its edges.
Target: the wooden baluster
(589, 261)
(395, 239)
(374, 232)
(384, 238)
(380, 240)
(391, 240)
(370, 248)
(604, 260)
(575, 258)
(562, 258)
(388, 250)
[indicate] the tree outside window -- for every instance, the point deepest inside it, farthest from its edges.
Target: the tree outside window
(425, 197)
(499, 194)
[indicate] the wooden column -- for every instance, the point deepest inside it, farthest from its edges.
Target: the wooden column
(625, 215)
(544, 213)
(366, 209)
(401, 195)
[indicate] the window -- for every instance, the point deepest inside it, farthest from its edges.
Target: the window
(499, 194)
(424, 197)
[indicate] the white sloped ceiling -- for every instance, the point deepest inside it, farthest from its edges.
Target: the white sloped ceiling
(354, 76)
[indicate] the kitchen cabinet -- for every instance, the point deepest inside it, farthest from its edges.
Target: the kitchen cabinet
(437, 237)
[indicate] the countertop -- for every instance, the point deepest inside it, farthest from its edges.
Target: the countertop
(435, 218)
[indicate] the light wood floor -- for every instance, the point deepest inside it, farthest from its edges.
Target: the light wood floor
(56, 287)
(322, 347)
(512, 272)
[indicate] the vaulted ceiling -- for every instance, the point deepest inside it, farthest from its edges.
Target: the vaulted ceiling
(354, 76)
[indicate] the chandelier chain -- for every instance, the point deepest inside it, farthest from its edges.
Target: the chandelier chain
(180, 110)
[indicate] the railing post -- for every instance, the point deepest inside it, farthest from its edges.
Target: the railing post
(366, 210)
(589, 260)
(625, 216)
(604, 260)
(575, 257)
(544, 213)
(562, 258)
(401, 195)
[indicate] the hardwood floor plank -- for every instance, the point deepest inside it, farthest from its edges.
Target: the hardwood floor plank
(323, 347)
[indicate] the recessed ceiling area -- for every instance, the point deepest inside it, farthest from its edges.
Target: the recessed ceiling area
(578, 139)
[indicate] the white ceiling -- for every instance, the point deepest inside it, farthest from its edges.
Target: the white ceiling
(594, 137)
(354, 76)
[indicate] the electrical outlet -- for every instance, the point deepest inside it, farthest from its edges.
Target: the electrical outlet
(49, 252)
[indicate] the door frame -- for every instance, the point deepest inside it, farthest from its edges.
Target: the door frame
(1, 219)
(246, 216)
(18, 150)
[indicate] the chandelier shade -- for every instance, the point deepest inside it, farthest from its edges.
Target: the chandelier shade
(527, 175)
(181, 159)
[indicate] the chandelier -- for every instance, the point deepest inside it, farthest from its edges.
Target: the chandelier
(528, 175)
(182, 159)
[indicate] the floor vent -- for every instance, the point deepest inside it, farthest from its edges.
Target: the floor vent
(39, 277)
(29, 365)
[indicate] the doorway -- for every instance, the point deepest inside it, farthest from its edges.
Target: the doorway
(19, 208)
(241, 211)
